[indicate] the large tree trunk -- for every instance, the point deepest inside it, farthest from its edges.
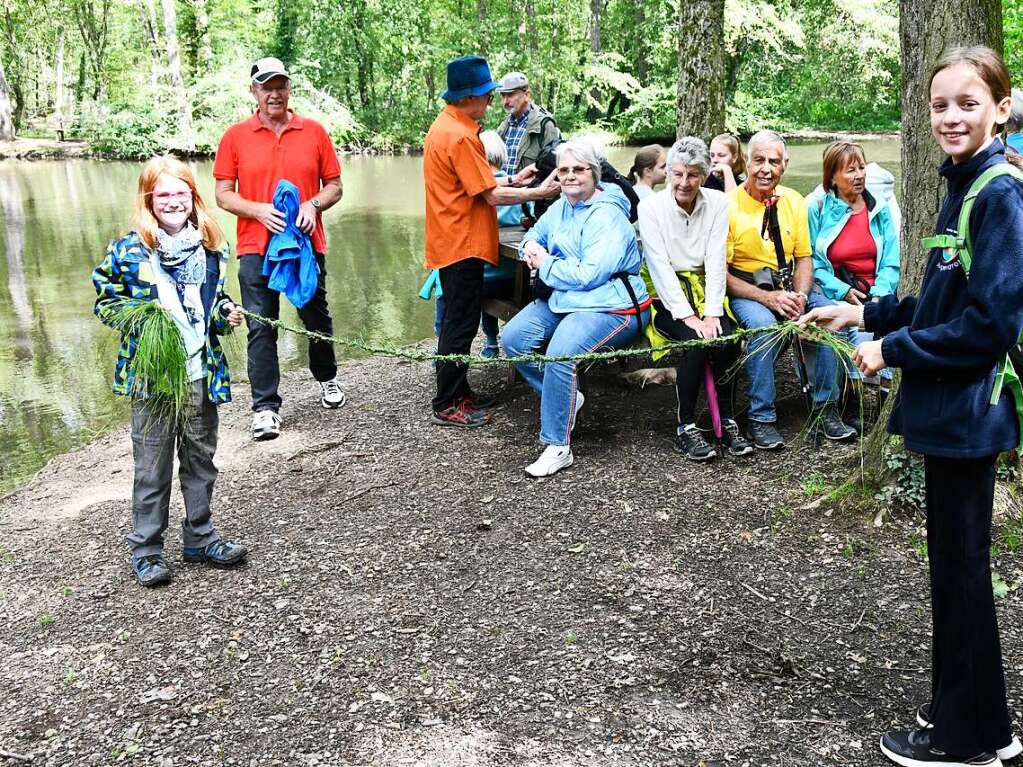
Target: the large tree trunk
(926, 28)
(202, 28)
(6, 116)
(701, 68)
(170, 27)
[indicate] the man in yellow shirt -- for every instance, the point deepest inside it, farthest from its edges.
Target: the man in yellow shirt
(757, 297)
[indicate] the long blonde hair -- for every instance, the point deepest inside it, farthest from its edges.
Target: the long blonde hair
(145, 222)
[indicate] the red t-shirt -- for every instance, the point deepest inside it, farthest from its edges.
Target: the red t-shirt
(257, 159)
(855, 249)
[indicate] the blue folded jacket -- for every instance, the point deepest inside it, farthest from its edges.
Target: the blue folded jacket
(290, 262)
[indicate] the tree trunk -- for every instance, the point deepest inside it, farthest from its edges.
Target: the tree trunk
(6, 116)
(926, 28)
(58, 96)
(170, 26)
(481, 22)
(639, 32)
(701, 68)
(94, 24)
(596, 9)
(202, 29)
(151, 31)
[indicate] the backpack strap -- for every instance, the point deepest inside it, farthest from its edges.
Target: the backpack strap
(963, 227)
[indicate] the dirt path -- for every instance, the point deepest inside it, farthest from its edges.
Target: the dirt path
(413, 599)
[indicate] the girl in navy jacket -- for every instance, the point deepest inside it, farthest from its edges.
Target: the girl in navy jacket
(948, 342)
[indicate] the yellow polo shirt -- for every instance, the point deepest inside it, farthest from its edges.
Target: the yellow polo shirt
(747, 250)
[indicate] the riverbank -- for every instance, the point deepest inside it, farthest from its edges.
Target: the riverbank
(412, 598)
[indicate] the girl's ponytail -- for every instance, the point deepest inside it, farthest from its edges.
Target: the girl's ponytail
(646, 158)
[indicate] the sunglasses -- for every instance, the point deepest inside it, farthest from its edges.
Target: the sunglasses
(575, 170)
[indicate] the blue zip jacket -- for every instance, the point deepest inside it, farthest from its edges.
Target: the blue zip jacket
(828, 215)
(949, 339)
(289, 261)
(588, 243)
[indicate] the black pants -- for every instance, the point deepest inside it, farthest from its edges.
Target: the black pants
(968, 684)
(263, 365)
(723, 360)
(462, 284)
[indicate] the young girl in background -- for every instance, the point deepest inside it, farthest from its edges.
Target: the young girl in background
(728, 167)
(648, 170)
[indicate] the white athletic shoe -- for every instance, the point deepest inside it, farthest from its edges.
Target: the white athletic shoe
(1011, 751)
(331, 395)
(266, 424)
(552, 460)
(579, 400)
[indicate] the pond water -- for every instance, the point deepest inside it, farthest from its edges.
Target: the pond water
(56, 359)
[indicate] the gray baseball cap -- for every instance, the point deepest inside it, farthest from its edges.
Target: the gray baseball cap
(513, 81)
(266, 68)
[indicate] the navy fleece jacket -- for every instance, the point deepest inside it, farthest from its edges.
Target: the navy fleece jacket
(949, 339)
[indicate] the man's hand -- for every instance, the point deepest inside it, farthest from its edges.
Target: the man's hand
(550, 188)
(524, 176)
(306, 218)
(535, 254)
(855, 297)
(868, 358)
(270, 217)
(835, 317)
(785, 303)
(709, 327)
(234, 317)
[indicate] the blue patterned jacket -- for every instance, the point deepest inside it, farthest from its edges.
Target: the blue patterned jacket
(126, 275)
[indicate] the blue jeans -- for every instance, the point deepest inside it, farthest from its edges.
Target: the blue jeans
(857, 337)
(760, 360)
(574, 333)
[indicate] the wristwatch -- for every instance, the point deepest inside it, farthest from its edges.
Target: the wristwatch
(315, 202)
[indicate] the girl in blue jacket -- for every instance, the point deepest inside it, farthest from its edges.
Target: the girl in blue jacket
(949, 341)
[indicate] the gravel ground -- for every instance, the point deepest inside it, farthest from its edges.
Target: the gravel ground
(412, 598)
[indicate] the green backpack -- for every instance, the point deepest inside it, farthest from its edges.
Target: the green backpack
(1010, 367)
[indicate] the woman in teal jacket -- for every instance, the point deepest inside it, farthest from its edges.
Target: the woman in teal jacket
(854, 239)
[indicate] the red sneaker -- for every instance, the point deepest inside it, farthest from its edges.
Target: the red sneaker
(463, 414)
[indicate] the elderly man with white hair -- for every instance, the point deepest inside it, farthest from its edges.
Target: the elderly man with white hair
(684, 229)
(585, 253)
(757, 254)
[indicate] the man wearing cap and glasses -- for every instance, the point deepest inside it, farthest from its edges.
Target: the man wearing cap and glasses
(527, 128)
(253, 156)
(461, 225)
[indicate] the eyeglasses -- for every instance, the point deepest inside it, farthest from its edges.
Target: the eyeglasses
(575, 170)
(165, 198)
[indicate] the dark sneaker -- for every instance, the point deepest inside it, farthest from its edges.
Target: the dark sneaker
(1005, 753)
(912, 748)
(462, 414)
(691, 443)
(732, 438)
(491, 351)
(853, 411)
(764, 436)
(481, 401)
(151, 570)
(827, 423)
(218, 554)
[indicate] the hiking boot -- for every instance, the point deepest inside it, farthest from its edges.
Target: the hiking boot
(764, 435)
(463, 413)
(552, 460)
(150, 570)
(732, 438)
(331, 395)
(218, 554)
(266, 424)
(827, 423)
(1005, 753)
(853, 411)
(912, 748)
(690, 442)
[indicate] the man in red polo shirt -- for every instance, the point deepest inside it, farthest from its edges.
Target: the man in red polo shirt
(253, 156)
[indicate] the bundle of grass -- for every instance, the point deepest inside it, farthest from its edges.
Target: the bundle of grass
(157, 371)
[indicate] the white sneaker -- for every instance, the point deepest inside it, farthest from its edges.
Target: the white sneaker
(579, 400)
(266, 424)
(331, 395)
(552, 460)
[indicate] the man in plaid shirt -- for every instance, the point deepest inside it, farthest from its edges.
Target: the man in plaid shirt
(527, 128)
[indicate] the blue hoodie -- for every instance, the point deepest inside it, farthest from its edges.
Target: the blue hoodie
(828, 215)
(290, 262)
(948, 340)
(589, 243)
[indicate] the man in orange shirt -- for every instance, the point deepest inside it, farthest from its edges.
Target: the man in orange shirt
(461, 225)
(253, 156)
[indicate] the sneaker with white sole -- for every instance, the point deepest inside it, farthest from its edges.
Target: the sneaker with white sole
(913, 748)
(552, 460)
(579, 400)
(331, 395)
(1011, 751)
(266, 424)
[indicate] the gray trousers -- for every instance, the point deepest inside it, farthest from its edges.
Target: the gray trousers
(154, 437)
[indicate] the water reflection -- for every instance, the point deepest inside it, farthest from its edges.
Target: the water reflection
(56, 359)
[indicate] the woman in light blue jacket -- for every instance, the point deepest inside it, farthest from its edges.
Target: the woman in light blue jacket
(584, 251)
